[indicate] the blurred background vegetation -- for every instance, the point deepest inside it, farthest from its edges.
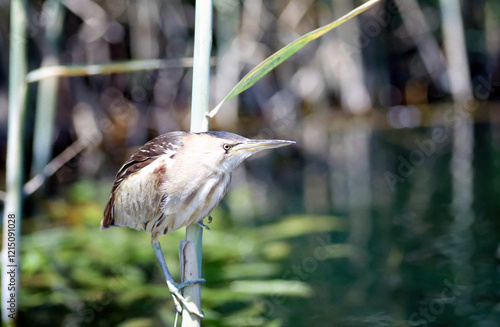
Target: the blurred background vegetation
(385, 213)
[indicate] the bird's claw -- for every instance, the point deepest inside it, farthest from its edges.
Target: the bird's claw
(180, 301)
(203, 225)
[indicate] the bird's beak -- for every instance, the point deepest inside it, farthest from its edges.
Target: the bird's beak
(259, 145)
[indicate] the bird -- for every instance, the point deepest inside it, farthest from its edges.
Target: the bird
(176, 180)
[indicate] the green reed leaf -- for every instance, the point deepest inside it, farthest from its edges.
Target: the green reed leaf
(278, 57)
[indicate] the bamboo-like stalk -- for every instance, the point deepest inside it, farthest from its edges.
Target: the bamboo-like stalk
(15, 162)
(106, 68)
(432, 56)
(461, 165)
(456, 50)
(199, 123)
(228, 74)
(47, 89)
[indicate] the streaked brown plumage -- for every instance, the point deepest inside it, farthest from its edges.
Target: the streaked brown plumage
(176, 180)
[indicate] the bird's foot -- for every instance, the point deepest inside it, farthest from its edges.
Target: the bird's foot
(190, 282)
(201, 224)
(180, 301)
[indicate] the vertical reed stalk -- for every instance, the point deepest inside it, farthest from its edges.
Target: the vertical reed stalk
(47, 89)
(199, 123)
(15, 162)
(461, 165)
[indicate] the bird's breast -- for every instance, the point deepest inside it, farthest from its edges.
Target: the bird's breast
(198, 198)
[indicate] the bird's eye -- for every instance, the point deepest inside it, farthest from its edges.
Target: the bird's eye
(227, 147)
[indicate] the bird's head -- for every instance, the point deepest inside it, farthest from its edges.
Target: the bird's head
(227, 150)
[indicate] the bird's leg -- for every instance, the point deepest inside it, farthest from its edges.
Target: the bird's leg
(210, 219)
(175, 288)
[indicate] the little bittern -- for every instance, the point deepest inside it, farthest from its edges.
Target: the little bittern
(176, 180)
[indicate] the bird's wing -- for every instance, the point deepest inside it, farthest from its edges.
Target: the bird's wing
(165, 144)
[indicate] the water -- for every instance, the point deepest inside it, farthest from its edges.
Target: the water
(364, 222)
